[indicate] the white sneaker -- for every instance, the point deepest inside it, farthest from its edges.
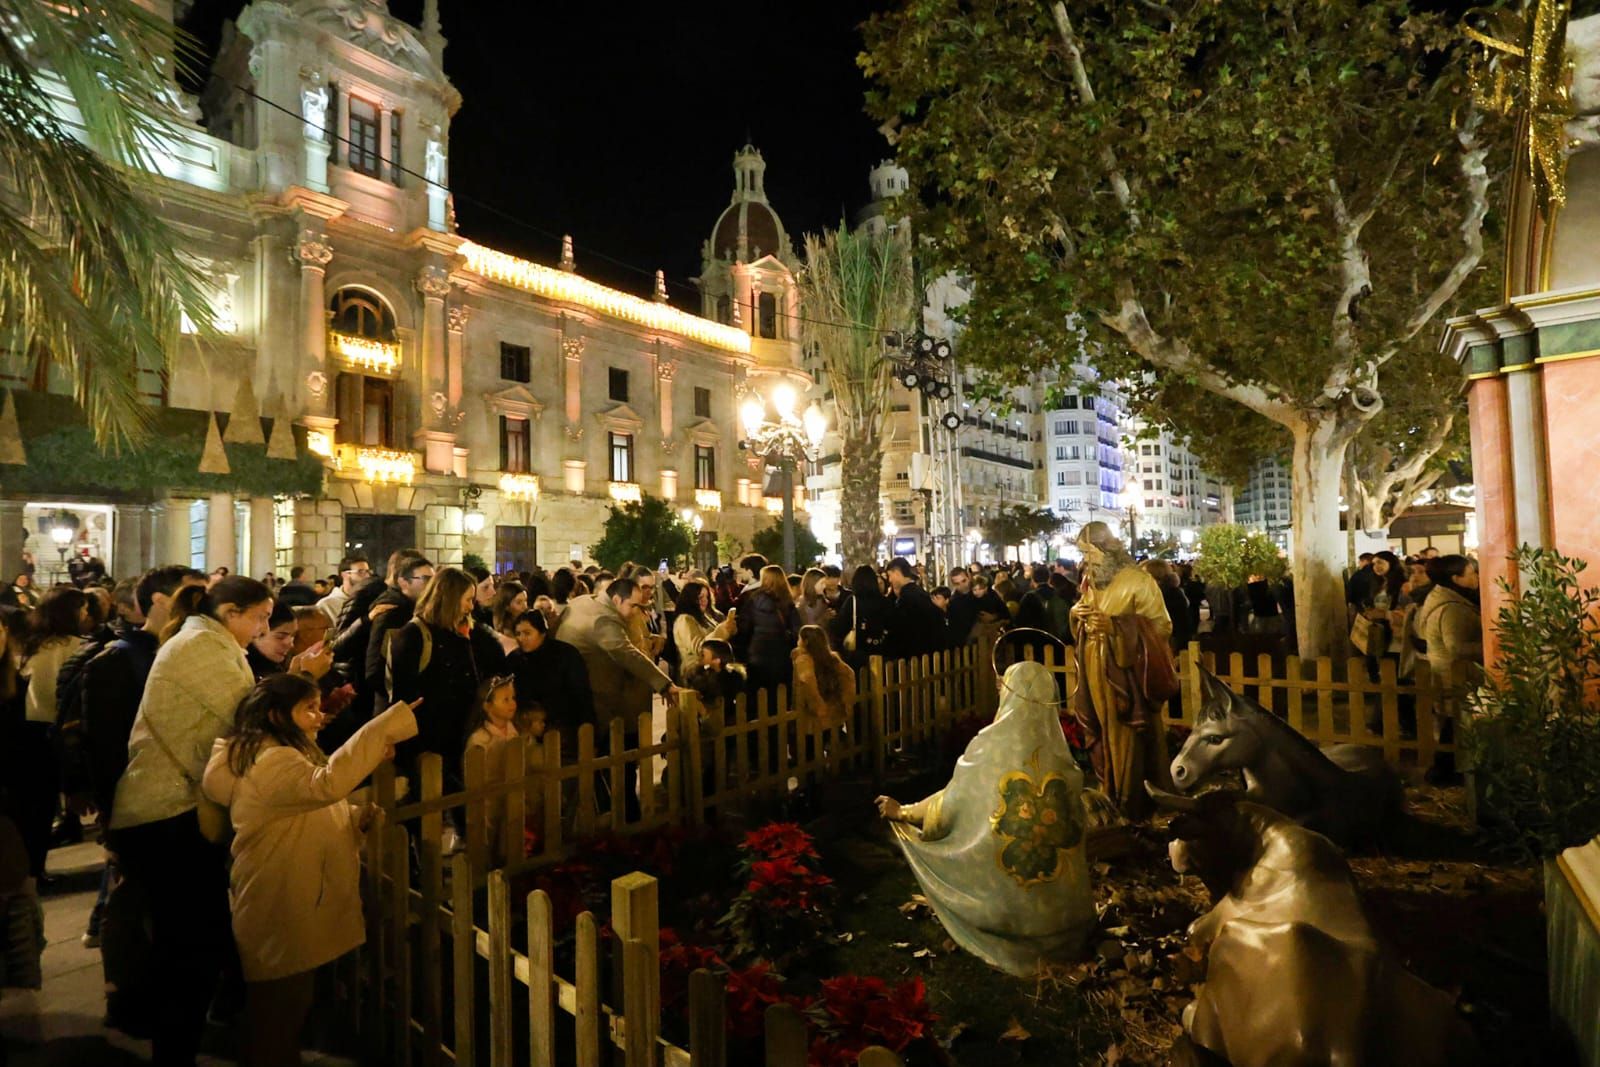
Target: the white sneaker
(90, 940)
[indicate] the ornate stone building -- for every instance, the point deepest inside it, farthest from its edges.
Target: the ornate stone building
(441, 393)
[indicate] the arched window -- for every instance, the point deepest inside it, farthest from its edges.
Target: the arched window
(362, 314)
(767, 310)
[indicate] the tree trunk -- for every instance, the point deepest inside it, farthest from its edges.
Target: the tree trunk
(860, 523)
(1318, 554)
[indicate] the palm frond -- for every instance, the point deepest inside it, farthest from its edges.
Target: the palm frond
(89, 273)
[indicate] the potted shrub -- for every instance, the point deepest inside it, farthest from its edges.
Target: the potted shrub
(1532, 738)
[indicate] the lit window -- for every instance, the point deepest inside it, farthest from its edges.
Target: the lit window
(622, 456)
(516, 450)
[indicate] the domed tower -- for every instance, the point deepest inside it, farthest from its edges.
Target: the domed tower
(748, 266)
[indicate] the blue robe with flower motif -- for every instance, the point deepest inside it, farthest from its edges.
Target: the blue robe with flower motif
(1000, 855)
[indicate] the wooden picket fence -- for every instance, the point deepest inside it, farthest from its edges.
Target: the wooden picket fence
(412, 993)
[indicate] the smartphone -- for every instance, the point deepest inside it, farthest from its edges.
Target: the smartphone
(663, 567)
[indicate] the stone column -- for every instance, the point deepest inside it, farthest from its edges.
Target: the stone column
(131, 543)
(173, 532)
(313, 253)
(222, 543)
(434, 437)
(455, 348)
(572, 360)
(665, 369)
(263, 537)
(12, 528)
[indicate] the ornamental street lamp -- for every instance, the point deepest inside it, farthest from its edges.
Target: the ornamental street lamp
(1130, 501)
(782, 439)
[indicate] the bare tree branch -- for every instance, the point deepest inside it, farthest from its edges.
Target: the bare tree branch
(1357, 284)
(1173, 355)
(1080, 81)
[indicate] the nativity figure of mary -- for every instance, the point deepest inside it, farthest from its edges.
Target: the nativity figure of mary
(999, 851)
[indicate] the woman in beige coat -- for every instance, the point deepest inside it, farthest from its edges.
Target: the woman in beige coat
(1450, 624)
(296, 869)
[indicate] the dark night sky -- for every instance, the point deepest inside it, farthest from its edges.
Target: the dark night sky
(617, 123)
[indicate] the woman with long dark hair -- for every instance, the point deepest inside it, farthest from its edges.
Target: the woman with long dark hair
(862, 621)
(510, 604)
(695, 622)
(53, 633)
(767, 627)
(296, 894)
(157, 831)
(824, 684)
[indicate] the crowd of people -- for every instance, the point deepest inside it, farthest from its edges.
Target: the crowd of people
(216, 727)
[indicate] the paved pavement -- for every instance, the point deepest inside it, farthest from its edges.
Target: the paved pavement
(59, 1026)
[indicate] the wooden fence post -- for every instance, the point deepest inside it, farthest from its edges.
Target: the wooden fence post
(541, 981)
(586, 981)
(878, 1056)
(513, 807)
(463, 958)
(692, 788)
(785, 1036)
(431, 868)
(877, 721)
(635, 916)
(399, 858)
(584, 819)
(475, 774)
(500, 1034)
(708, 1007)
(640, 975)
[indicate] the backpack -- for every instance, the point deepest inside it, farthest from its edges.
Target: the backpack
(423, 659)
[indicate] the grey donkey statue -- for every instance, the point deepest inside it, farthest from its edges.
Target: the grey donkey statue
(1346, 792)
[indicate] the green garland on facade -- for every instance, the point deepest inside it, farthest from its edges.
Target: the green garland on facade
(63, 458)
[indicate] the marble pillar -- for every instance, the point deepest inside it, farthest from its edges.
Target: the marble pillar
(222, 542)
(172, 544)
(314, 253)
(13, 528)
(436, 437)
(263, 537)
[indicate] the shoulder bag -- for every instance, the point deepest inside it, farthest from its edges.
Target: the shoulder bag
(215, 824)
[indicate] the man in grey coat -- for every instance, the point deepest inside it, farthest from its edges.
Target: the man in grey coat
(621, 676)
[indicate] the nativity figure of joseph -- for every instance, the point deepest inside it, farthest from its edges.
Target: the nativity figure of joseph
(1125, 671)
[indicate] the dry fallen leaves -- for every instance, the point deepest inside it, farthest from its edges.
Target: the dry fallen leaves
(1015, 1032)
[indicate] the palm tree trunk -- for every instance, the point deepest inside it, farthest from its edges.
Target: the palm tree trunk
(860, 523)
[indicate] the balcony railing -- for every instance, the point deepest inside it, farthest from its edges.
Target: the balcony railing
(519, 486)
(364, 353)
(708, 499)
(383, 465)
(626, 492)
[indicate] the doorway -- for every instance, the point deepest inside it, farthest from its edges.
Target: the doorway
(377, 536)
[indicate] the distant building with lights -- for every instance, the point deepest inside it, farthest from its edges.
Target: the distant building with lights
(441, 393)
(1264, 501)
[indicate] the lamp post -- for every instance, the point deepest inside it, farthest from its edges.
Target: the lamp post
(1130, 501)
(782, 438)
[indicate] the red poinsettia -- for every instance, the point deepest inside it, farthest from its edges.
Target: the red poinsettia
(751, 991)
(855, 1011)
(1073, 729)
(780, 840)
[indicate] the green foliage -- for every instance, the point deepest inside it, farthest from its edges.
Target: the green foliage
(90, 277)
(643, 532)
(729, 548)
(63, 457)
(1018, 524)
(1534, 731)
(1230, 554)
(1152, 545)
(769, 542)
(470, 560)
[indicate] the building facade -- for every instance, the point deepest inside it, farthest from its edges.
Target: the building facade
(441, 393)
(1264, 502)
